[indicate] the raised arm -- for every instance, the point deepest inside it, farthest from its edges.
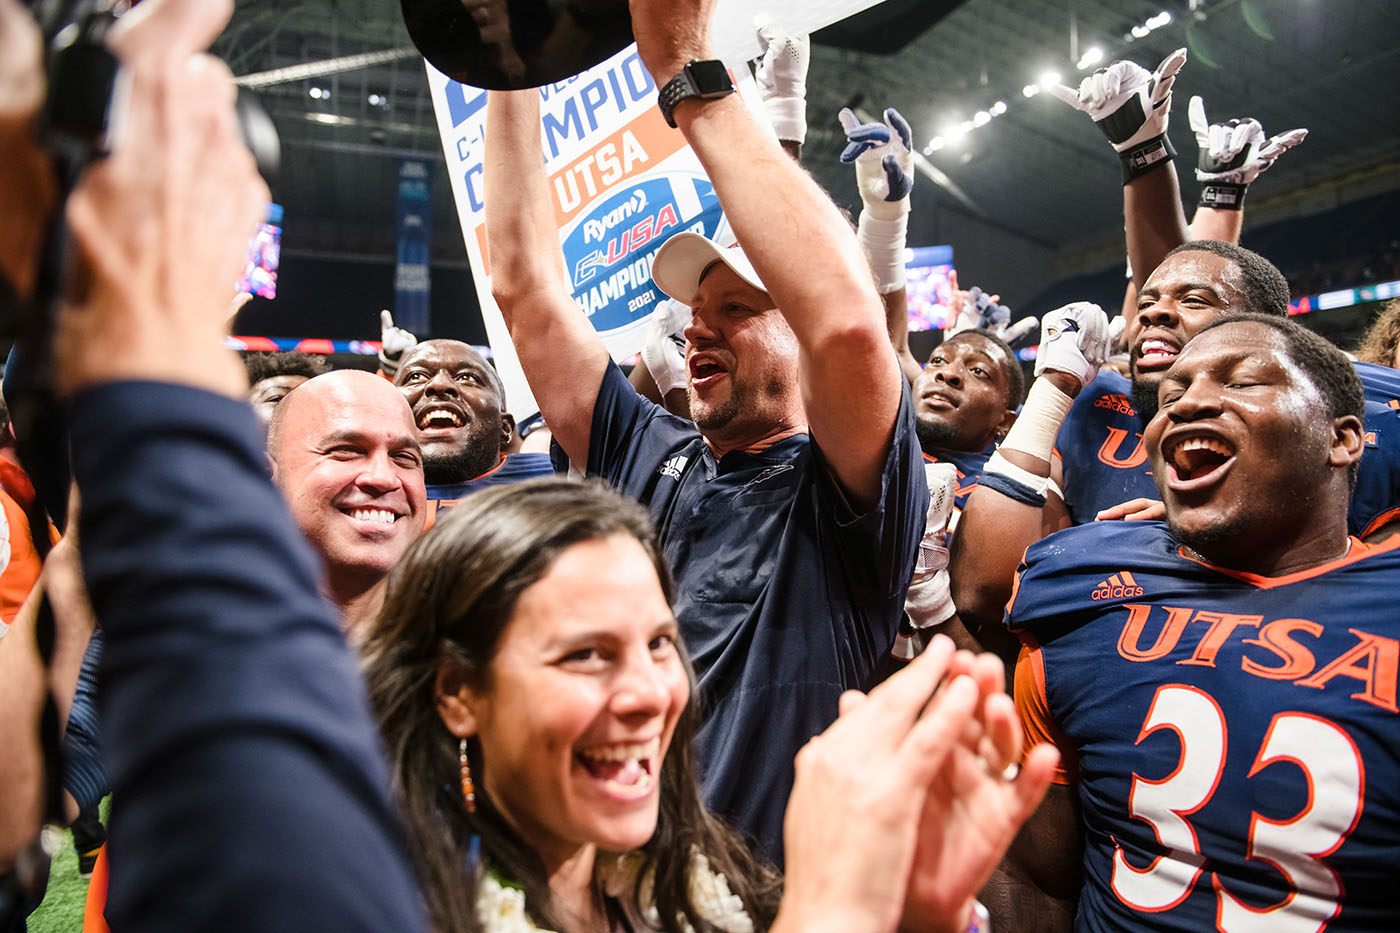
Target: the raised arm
(1232, 155)
(1154, 222)
(229, 699)
(884, 165)
(562, 356)
(1131, 105)
(1016, 502)
(802, 248)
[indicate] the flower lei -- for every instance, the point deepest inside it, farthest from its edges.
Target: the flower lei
(500, 906)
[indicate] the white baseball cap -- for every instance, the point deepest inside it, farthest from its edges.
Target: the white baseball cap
(682, 260)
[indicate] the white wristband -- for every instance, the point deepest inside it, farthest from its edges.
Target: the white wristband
(996, 463)
(788, 115)
(1039, 421)
(883, 242)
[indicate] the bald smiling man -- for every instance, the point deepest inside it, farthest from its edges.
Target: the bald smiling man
(345, 453)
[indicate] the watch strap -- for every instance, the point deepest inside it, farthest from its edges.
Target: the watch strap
(685, 85)
(672, 93)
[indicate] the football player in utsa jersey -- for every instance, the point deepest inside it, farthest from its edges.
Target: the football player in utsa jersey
(1077, 449)
(965, 400)
(1223, 687)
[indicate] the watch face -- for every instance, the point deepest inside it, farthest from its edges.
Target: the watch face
(709, 76)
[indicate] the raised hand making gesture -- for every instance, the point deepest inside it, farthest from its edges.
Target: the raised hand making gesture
(1233, 154)
(1130, 105)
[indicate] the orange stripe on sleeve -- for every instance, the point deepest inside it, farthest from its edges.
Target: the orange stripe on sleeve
(1033, 709)
(1016, 582)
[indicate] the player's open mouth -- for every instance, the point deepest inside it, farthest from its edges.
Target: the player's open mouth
(1194, 461)
(1155, 353)
(625, 771)
(439, 420)
(705, 370)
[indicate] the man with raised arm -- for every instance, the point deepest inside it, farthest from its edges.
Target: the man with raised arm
(791, 509)
(1222, 686)
(1076, 452)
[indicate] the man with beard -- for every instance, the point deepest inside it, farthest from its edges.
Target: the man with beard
(1077, 453)
(345, 454)
(459, 407)
(1222, 686)
(791, 509)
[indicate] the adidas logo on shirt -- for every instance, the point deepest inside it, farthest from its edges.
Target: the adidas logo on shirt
(1119, 586)
(673, 467)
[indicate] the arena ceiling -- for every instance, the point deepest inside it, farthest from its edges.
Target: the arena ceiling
(1038, 170)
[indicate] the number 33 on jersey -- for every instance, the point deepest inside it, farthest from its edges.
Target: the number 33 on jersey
(1234, 740)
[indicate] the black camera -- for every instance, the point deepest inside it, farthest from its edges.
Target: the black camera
(84, 85)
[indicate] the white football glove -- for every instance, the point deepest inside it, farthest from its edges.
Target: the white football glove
(782, 78)
(1233, 154)
(885, 176)
(1075, 340)
(663, 349)
(394, 342)
(882, 153)
(1130, 105)
(980, 312)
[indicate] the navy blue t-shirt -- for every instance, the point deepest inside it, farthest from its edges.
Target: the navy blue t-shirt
(1104, 459)
(785, 598)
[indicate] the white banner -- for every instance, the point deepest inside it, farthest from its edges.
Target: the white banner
(622, 180)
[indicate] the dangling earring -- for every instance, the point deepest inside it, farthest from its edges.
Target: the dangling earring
(468, 788)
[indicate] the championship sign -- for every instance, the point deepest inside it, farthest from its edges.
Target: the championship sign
(621, 180)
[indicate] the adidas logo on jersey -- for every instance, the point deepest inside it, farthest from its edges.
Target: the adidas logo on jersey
(1119, 586)
(673, 467)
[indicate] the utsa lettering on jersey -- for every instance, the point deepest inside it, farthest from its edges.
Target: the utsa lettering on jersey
(1104, 460)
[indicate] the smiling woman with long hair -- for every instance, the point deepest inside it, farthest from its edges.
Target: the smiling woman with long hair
(532, 628)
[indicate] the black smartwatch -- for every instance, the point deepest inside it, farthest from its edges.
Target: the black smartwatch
(706, 80)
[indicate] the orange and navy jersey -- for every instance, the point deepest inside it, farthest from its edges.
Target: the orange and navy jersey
(1101, 451)
(969, 464)
(1105, 463)
(1375, 501)
(513, 468)
(1234, 740)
